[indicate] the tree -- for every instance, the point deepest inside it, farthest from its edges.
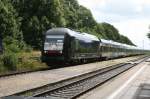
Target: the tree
(10, 24)
(125, 40)
(37, 17)
(40, 15)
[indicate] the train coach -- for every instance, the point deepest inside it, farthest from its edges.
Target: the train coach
(111, 49)
(65, 45)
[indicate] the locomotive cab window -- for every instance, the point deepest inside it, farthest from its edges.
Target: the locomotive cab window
(54, 42)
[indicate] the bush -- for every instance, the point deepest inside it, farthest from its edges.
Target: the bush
(10, 61)
(13, 48)
(2, 69)
(11, 45)
(28, 48)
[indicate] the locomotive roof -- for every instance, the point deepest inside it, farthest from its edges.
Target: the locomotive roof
(58, 31)
(90, 36)
(82, 36)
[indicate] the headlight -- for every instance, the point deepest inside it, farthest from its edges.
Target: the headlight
(45, 51)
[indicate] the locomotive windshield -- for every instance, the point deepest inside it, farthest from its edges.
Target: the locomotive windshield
(54, 42)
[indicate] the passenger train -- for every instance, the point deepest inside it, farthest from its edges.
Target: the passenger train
(65, 45)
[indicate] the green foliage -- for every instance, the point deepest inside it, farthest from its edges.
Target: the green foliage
(10, 61)
(80, 18)
(125, 40)
(11, 45)
(9, 21)
(28, 48)
(10, 26)
(113, 34)
(27, 20)
(37, 17)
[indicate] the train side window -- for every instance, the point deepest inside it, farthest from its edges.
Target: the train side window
(76, 44)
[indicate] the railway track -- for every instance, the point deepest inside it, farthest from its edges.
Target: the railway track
(73, 87)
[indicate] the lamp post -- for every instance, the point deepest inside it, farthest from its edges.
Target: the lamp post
(143, 44)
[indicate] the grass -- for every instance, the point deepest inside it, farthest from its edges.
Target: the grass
(27, 61)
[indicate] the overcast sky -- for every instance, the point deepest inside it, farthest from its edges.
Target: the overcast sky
(131, 17)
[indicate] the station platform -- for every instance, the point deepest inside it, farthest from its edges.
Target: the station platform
(132, 84)
(18, 83)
